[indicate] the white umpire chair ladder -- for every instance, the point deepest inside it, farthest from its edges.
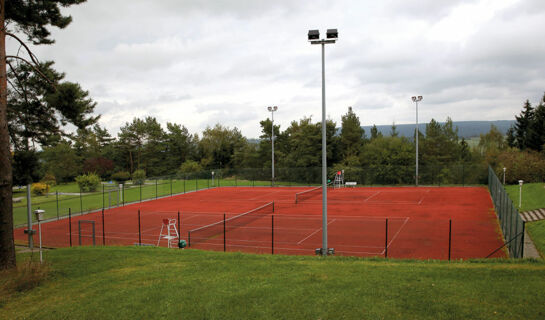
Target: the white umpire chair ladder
(168, 232)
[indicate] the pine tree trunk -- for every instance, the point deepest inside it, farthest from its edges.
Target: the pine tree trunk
(7, 248)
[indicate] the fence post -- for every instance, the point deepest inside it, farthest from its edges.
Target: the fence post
(140, 192)
(522, 240)
(102, 196)
(463, 176)
(57, 196)
(184, 184)
(272, 234)
(123, 191)
(80, 202)
(236, 181)
(171, 186)
(179, 230)
(386, 241)
(449, 237)
(155, 189)
(103, 233)
(139, 232)
(224, 244)
(196, 184)
(70, 224)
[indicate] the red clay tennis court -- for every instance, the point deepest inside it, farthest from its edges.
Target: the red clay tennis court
(398, 222)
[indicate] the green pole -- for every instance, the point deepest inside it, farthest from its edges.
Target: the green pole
(57, 196)
(80, 202)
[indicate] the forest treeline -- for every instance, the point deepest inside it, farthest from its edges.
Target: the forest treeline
(144, 145)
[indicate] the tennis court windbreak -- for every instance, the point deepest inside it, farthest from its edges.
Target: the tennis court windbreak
(511, 222)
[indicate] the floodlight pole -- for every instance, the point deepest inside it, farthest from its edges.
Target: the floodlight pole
(415, 100)
(272, 110)
(325, 248)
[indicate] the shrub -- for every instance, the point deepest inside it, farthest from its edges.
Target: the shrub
(190, 166)
(88, 182)
(39, 189)
(139, 176)
(121, 176)
(49, 179)
(521, 165)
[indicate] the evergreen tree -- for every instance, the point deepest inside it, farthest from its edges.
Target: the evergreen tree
(536, 130)
(393, 131)
(352, 134)
(375, 133)
(522, 125)
(32, 18)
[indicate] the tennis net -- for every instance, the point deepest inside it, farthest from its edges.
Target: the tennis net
(209, 231)
(307, 194)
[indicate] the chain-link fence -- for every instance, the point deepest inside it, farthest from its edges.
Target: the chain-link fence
(511, 223)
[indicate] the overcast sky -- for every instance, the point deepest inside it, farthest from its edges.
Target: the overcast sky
(198, 63)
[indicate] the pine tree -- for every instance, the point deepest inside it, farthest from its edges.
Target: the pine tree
(352, 134)
(522, 125)
(536, 129)
(31, 17)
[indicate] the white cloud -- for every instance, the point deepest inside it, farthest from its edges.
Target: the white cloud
(201, 62)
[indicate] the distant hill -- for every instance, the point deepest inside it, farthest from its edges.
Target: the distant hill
(466, 129)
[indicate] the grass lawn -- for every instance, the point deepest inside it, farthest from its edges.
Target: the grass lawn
(533, 197)
(152, 283)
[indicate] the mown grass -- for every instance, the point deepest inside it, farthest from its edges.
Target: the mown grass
(159, 283)
(533, 197)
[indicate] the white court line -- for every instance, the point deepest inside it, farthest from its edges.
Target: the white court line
(420, 202)
(397, 233)
(298, 243)
(376, 193)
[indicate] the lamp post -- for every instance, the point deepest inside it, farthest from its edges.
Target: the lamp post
(272, 110)
(314, 38)
(416, 99)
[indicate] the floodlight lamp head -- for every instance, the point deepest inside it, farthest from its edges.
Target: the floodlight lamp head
(332, 34)
(275, 108)
(419, 98)
(313, 35)
(269, 108)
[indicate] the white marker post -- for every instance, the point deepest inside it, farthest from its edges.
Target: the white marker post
(520, 193)
(40, 216)
(213, 179)
(504, 175)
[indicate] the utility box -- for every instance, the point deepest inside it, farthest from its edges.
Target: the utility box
(182, 244)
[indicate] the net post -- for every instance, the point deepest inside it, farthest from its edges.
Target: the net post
(386, 240)
(179, 230)
(70, 224)
(449, 237)
(272, 234)
(189, 239)
(139, 228)
(273, 206)
(224, 244)
(103, 234)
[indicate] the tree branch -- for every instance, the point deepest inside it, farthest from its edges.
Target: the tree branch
(35, 69)
(32, 56)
